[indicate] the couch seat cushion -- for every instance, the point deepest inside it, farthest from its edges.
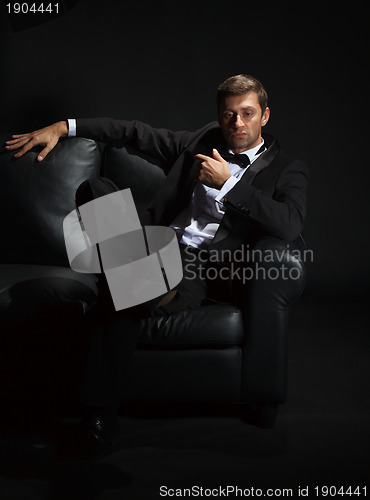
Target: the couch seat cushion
(25, 288)
(210, 325)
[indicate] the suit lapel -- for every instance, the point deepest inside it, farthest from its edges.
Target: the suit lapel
(261, 163)
(225, 228)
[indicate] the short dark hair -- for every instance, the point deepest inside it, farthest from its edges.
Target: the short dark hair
(239, 85)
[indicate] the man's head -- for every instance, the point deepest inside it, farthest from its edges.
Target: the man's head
(242, 111)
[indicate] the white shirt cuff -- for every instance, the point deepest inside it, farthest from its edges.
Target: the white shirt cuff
(229, 184)
(71, 127)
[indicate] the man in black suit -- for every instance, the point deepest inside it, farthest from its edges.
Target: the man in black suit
(227, 184)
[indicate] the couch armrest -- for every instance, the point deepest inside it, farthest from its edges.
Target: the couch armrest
(37, 196)
(278, 280)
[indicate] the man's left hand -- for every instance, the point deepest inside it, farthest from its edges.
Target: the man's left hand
(213, 172)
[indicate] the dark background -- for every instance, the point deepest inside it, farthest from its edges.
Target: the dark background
(161, 63)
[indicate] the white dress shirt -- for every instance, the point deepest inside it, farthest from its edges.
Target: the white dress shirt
(197, 224)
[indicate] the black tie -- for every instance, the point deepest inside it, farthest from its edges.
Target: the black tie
(241, 160)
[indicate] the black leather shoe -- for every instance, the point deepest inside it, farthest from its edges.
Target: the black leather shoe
(97, 435)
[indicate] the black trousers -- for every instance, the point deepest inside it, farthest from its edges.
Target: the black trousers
(114, 334)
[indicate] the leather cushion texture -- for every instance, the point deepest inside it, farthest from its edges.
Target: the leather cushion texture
(36, 196)
(211, 325)
(26, 288)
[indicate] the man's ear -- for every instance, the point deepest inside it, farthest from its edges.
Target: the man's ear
(265, 117)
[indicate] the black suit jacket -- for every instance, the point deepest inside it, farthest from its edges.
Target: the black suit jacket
(270, 198)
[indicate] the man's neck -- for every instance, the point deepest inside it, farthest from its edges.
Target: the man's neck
(250, 151)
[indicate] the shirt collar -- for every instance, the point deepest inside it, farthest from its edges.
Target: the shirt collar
(251, 153)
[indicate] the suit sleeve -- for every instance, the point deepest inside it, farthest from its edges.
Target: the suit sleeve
(281, 215)
(163, 144)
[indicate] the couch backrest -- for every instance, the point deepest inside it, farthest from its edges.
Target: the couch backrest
(36, 196)
(129, 168)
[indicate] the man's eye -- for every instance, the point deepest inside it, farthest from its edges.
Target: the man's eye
(228, 115)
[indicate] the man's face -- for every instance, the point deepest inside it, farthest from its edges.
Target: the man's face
(241, 119)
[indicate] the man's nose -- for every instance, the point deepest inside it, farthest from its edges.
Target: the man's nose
(238, 121)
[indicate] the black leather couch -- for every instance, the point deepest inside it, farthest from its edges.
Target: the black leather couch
(213, 354)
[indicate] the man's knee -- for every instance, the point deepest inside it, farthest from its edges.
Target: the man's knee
(94, 188)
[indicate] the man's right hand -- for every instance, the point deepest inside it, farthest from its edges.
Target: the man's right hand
(47, 137)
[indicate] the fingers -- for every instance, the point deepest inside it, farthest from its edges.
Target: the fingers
(202, 157)
(19, 141)
(216, 155)
(46, 151)
(16, 143)
(205, 163)
(20, 136)
(24, 141)
(46, 137)
(24, 150)
(16, 138)
(213, 172)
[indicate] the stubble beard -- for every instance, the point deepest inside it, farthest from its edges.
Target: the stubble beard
(238, 144)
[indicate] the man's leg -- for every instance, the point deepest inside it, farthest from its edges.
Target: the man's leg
(193, 288)
(114, 335)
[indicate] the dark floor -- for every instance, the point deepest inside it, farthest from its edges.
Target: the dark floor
(321, 437)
